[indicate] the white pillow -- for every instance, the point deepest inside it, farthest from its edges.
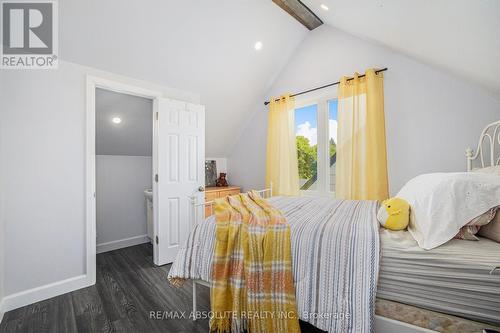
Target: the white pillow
(492, 169)
(442, 203)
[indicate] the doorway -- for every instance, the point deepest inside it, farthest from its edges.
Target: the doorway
(124, 170)
(178, 173)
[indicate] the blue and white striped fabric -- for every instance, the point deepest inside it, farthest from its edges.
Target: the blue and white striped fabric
(335, 256)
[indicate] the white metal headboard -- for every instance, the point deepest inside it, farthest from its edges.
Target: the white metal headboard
(489, 141)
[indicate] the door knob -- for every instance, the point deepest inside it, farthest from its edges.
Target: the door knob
(201, 189)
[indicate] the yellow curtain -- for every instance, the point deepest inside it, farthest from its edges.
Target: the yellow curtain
(282, 169)
(361, 172)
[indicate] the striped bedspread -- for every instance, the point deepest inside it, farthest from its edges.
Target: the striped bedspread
(335, 256)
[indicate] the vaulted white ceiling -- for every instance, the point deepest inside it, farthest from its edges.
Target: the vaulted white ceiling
(207, 47)
(201, 46)
(460, 36)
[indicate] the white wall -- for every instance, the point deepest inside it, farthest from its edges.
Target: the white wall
(42, 145)
(2, 223)
(2, 264)
(120, 203)
(431, 117)
(2, 268)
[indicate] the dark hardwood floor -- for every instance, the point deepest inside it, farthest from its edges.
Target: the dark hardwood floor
(129, 288)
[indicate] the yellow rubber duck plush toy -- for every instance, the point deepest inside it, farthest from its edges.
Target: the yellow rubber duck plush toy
(394, 214)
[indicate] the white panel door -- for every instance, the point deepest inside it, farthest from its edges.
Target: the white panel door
(179, 172)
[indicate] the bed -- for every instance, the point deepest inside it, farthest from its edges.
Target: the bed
(335, 249)
(458, 278)
(453, 288)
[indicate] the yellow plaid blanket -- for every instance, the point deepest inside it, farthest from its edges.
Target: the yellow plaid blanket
(252, 282)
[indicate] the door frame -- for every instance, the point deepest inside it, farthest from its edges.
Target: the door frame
(129, 88)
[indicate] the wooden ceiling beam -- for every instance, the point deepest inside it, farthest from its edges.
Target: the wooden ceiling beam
(300, 12)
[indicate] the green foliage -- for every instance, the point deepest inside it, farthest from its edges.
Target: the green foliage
(307, 157)
(333, 147)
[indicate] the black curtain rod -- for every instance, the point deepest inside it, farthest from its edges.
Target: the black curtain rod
(328, 85)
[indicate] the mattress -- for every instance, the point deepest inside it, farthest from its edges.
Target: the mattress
(460, 277)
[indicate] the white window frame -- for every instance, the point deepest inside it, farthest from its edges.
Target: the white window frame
(321, 99)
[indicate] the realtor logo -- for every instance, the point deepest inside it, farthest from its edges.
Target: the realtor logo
(29, 34)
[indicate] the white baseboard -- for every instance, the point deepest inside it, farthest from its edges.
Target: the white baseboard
(41, 293)
(47, 291)
(387, 325)
(121, 243)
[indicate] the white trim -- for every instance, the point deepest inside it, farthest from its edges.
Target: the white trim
(315, 193)
(41, 293)
(126, 86)
(318, 96)
(121, 243)
(387, 325)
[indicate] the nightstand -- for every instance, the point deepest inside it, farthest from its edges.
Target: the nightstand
(212, 193)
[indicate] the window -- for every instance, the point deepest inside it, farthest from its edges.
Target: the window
(316, 134)
(306, 132)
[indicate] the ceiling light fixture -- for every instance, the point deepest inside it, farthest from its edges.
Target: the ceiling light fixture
(324, 7)
(258, 45)
(116, 120)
